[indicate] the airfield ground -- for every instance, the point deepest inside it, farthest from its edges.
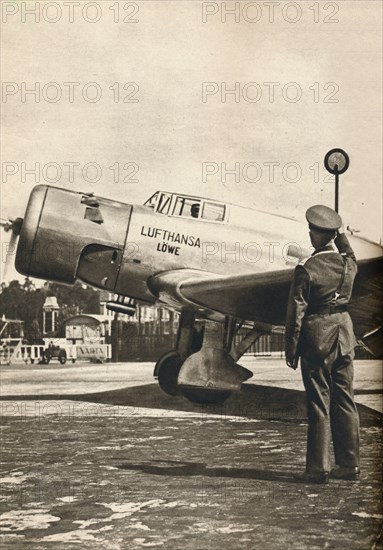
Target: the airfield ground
(96, 456)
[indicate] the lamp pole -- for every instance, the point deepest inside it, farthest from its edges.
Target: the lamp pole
(336, 162)
(336, 188)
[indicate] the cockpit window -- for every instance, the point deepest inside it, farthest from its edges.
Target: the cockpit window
(171, 204)
(164, 203)
(213, 211)
(152, 201)
(187, 207)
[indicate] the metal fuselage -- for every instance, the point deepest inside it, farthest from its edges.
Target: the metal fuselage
(115, 246)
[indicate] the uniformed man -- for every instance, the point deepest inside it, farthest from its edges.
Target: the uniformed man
(319, 330)
(194, 210)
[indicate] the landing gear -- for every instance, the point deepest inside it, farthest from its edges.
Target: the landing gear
(203, 367)
(167, 370)
(205, 393)
(168, 366)
(211, 374)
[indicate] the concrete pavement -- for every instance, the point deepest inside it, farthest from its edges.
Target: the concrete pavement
(96, 456)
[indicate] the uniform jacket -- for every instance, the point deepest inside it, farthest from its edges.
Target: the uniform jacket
(315, 282)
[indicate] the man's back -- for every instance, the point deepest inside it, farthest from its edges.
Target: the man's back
(331, 271)
(317, 315)
(319, 330)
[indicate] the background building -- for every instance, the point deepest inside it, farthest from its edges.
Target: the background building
(78, 316)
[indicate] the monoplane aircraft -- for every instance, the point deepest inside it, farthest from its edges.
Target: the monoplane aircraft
(208, 259)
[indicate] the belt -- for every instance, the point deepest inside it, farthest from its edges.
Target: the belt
(325, 309)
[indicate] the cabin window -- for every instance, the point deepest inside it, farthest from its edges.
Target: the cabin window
(152, 201)
(164, 203)
(187, 207)
(171, 204)
(213, 211)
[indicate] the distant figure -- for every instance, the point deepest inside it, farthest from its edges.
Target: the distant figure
(194, 210)
(320, 331)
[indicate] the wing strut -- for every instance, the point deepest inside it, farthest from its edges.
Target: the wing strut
(258, 330)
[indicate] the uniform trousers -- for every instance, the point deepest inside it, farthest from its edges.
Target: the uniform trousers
(331, 411)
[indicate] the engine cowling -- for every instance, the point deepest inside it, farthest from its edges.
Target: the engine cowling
(67, 235)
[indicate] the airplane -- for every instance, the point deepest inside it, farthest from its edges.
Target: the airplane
(224, 264)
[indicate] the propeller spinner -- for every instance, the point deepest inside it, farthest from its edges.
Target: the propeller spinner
(15, 227)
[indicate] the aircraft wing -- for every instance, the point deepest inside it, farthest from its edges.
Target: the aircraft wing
(366, 307)
(254, 297)
(263, 296)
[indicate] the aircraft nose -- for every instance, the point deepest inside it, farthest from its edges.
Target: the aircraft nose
(67, 236)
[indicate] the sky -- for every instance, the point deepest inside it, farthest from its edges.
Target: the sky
(239, 101)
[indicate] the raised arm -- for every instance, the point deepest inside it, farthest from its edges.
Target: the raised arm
(343, 245)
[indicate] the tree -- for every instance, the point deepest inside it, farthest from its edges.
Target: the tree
(25, 302)
(75, 299)
(35, 334)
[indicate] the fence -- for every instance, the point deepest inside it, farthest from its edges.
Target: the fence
(151, 347)
(268, 345)
(19, 353)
